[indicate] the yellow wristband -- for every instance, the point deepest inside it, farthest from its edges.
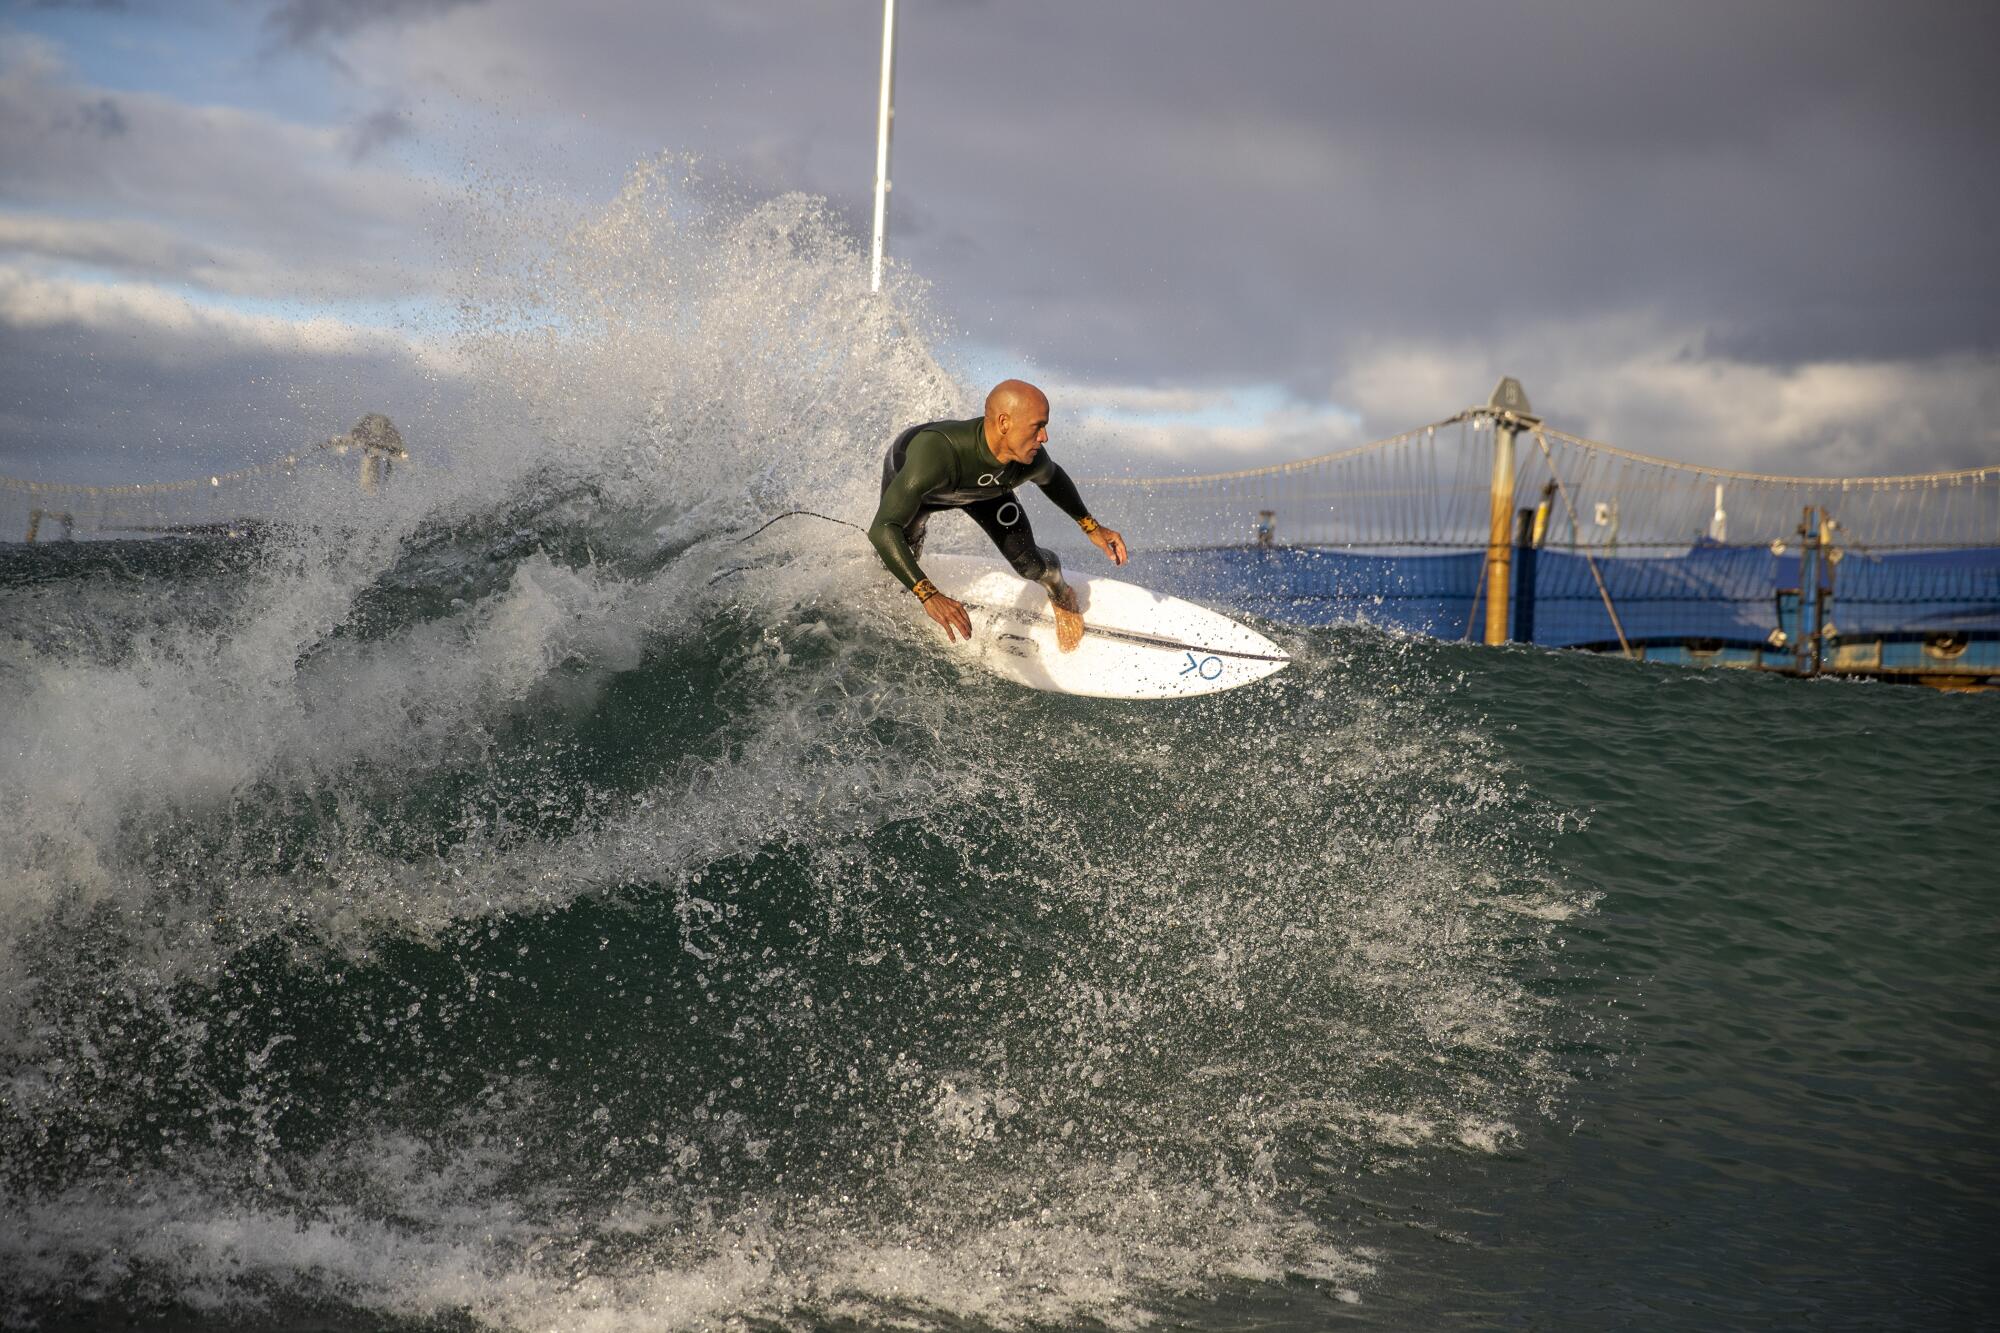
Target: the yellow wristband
(925, 590)
(1088, 524)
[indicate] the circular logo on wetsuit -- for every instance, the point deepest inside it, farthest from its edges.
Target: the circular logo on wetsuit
(1009, 515)
(990, 479)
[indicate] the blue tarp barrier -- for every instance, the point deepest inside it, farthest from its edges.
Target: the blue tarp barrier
(1724, 594)
(1917, 592)
(1313, 586)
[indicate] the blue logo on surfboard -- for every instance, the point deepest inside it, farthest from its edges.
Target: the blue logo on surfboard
(1203, 666)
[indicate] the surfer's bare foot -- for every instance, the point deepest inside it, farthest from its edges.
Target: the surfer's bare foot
(1069, 620)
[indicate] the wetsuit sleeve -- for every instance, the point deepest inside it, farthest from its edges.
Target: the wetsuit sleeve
(925, 469)
(1060, 489)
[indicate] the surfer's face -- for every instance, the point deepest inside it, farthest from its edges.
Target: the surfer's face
(1021, 435)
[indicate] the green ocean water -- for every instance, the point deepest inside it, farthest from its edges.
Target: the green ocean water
(1795, 1123)
(516, 901)
(768, 966)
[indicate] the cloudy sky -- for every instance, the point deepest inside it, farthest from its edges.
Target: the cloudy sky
(1760, 234)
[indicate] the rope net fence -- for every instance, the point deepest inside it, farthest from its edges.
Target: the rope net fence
(1615, 550)
(1430, 489)
(1619, 550)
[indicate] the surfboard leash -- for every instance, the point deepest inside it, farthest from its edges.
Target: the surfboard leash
(789, 513)
(794, 513)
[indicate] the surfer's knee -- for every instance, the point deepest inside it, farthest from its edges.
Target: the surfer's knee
(1043, 566)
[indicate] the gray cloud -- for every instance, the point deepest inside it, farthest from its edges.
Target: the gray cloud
(110, 385)
(159, 252)
(1678, 224)
(1208, 192)
(304, 22)
(279, 208)
(100, 116)
(1629, 379)
(377, 129)
(1784, 193)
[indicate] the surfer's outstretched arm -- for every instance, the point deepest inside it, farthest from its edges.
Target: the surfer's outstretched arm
(1063, 495)
(903, 495)
(1105, 539)
(924, 469)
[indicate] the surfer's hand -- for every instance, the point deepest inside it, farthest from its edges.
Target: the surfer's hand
(950, 616)
(1110, 543)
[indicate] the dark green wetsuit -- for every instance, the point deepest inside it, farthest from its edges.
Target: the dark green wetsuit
(946, 465)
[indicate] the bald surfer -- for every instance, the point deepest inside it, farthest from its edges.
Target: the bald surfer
(974, 466)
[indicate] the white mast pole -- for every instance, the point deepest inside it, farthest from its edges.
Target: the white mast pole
(886, 114)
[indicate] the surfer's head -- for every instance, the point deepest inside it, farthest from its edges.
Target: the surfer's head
(1017, 421)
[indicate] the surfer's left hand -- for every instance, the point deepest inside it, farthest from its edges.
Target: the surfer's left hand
(1110, 543)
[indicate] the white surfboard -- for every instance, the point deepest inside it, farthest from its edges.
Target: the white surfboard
(1137, 644)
